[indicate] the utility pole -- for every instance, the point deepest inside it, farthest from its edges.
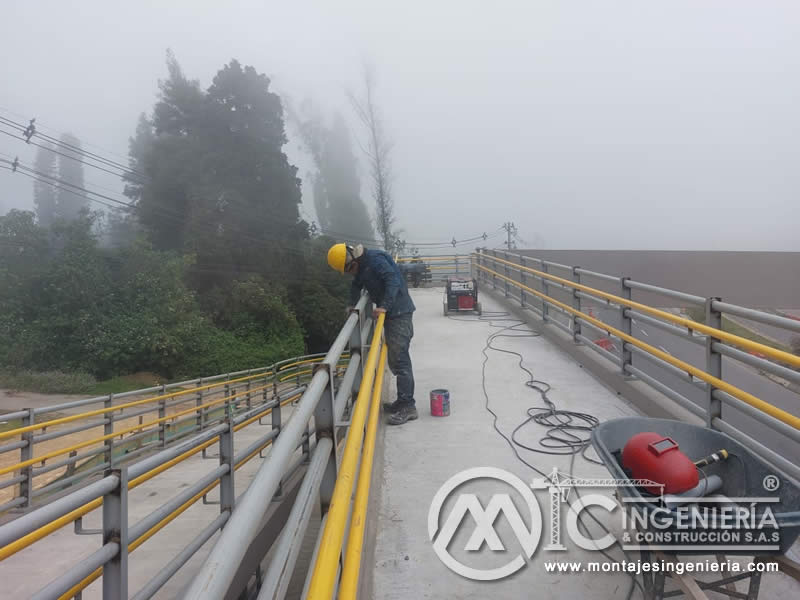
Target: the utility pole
(511, 230)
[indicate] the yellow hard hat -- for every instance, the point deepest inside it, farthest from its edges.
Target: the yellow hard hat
(337, 257)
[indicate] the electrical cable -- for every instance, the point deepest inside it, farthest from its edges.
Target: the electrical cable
(563, 436)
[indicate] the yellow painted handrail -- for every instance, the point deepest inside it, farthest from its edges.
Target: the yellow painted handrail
(355, 539)
(330, 548)
(755, 402)
(49, 528)
(108, 436)
(774, 353)
(101, 411)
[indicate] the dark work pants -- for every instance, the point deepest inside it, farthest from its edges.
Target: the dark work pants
(399, 332)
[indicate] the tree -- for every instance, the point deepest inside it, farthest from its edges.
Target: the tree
(217, 183)
(377, 150)
(70, 201)
(44, 194)
(336, 184)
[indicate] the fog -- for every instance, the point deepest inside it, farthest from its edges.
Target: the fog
(609, 125)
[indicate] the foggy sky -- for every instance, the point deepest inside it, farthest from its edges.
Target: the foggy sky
(592, 124)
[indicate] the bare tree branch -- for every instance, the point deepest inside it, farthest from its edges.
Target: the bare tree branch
(377, 150)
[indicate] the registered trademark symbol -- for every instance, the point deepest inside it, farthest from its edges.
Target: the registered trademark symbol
(771, 483)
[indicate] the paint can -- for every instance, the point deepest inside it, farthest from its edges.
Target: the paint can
(440, 403)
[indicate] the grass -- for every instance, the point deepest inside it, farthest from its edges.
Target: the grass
(59, 382)
(8, 425)
(47, 382)
(698, 314)
(125, 383)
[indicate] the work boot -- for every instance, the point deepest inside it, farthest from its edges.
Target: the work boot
(402, 414)
(392, 407)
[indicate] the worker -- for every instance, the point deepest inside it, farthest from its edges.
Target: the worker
(375, 271)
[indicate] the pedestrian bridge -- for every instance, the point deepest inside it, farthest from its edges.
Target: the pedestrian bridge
(284, 481)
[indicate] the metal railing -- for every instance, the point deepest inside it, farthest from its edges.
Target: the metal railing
(566, 302)
(179, 409)
(442, 267)
(329, 476)
(302, 463)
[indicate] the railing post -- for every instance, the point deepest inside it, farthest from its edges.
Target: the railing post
(248, 401)
(162, 412)
(115, 530)
(713, 362)
(108, 429)
(276, 425)
(576, 304)
(494, 268)
(546, 292)
(26, 453)
(199, 404)
(226, 393)
(507, 272)
(523, 279)
(625, 357)
(324, 421)
(227, 494)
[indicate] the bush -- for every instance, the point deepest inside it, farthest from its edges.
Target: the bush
(215, 351)
(48, 382)
(70, 305)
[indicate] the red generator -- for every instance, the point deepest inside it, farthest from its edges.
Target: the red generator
(461, 295)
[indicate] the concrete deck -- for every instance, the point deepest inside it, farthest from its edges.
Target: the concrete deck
(420, 456)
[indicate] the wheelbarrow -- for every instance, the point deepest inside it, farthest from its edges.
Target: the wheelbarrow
(743, 475)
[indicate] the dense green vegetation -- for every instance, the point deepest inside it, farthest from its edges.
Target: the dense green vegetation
(211, 269)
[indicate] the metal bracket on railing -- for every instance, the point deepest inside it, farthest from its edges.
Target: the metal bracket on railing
(576, 304)
(26, 453)
(198, 402)
(713, 362)
(625, 326)
(108, 429)
(546, 292)
(326, 427)
(277, 421)
(79, 530)
(162, 412)
(227, 493)
(507, 272)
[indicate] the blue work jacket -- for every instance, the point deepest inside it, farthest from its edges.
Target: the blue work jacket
(381, 277)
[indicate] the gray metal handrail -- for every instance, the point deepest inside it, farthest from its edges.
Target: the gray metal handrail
(198, 391)
(619, 355)
(220, 568)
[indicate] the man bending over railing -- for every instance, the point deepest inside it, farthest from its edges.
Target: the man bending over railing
(375, 271)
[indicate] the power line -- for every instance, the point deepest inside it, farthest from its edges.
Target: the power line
(69, 156)
(126, 171)
(68, 146)
(57, 132)
(191, 225)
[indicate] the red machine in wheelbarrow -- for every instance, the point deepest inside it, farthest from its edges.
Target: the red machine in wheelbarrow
(461, 295)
